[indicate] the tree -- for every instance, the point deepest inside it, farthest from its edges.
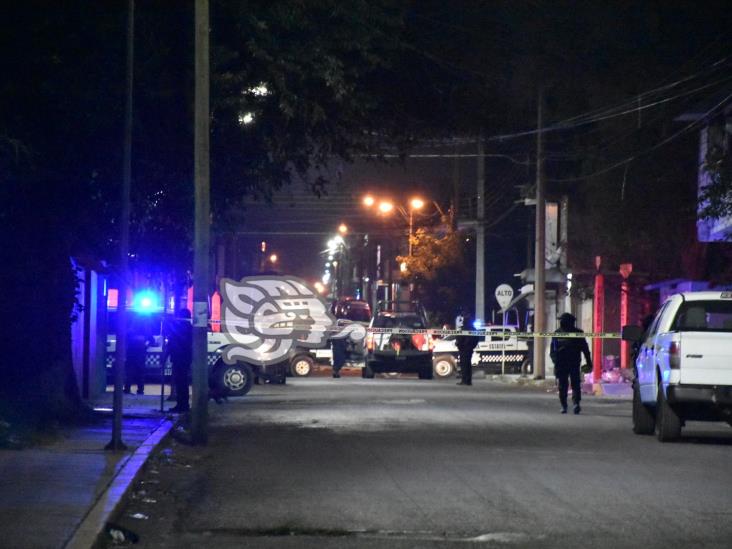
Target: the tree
(61, 124)
(438, 269)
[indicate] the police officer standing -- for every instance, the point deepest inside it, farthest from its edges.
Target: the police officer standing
(338, 346)
(180, 348)
(465, 345)
(566, 354)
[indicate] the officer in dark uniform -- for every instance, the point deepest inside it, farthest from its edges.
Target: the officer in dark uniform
(566, 354)
(339, 348)
(180, 348)
(465, 345)
(138, 339)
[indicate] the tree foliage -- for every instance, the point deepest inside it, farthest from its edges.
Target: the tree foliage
(439, 272)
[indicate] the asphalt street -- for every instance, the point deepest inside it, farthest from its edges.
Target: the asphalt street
(348, 462)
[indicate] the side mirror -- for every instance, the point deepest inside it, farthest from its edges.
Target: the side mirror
(631, 333)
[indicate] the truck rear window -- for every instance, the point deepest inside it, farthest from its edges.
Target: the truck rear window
(704, 316)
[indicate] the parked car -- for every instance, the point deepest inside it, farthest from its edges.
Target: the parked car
(231, 379)
(401, 353)
(683, 364)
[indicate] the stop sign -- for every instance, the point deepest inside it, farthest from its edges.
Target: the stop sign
(504, 295)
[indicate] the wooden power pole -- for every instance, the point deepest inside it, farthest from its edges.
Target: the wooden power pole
(199, 412)
(124, 241)
(540, 248)
(480, 236)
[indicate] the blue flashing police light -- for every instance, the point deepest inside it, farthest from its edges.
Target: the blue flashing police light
(477, 324)
(145, 302)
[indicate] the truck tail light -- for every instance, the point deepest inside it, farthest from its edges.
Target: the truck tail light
(674, 355)
(420, 341)
(370, 342)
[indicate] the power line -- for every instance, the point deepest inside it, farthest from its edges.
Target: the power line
(649, 150)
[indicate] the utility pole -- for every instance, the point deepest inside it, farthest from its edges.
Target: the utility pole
(454, 209)
(480, 235)
(199, 413)
(540, 249)
(120, 356)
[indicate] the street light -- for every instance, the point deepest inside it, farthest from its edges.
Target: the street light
(385, 207)
(414, 204)
(368, 200)
(343, 229)
(273, 258)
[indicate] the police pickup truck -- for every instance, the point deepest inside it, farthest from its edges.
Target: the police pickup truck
(683, 364)
(498, 352)
(231, 379)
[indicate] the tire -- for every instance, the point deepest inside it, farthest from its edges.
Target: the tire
(234, 379)
(644, 421)
(367, 372)
(302, 366)
(444, 366)
(668, 424)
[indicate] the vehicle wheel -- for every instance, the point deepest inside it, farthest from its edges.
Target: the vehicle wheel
(302, 366)
(444, 366)
(668, 424)
(644, 422)
(234, 379)
(367, 372)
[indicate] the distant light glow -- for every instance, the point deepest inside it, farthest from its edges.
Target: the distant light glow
(403, 267)
(416, 203)
(369, 200)
(343, 228)
(386, 207)
(259, 91)
(319, 287)
(145, 302)
(273, 258)
(477, 324)
(246, 118)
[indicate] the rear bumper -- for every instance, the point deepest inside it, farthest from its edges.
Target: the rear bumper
(701, 402)
(404, 362)
(700, 394)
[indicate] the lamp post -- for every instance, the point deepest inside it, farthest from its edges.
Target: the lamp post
(414, 204)
(386, 207)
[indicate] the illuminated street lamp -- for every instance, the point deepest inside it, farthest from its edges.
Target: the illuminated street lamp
(385, 207)
(414, 204)
(273, 258)
(343, 229)
(368, 200)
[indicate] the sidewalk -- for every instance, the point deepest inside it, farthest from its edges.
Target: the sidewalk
(617, 389)
(61, 493)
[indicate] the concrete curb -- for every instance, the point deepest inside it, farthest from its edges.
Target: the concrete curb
(110, 500)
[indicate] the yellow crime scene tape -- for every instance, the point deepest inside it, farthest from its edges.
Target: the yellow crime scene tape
(298, 325)
(496, 333)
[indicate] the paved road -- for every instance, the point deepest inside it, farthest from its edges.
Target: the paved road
(407, 463)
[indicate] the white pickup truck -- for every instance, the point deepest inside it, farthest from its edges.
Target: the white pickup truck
(499, 352)
(683, 364)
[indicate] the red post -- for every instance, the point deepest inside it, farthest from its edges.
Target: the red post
(216, 312)
(625, 270)
(598, 324)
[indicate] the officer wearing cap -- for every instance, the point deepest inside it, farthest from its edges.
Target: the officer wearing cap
(566, 354)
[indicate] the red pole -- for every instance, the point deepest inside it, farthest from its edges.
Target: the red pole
(625, 270)
(216, 312)
(598, 324)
